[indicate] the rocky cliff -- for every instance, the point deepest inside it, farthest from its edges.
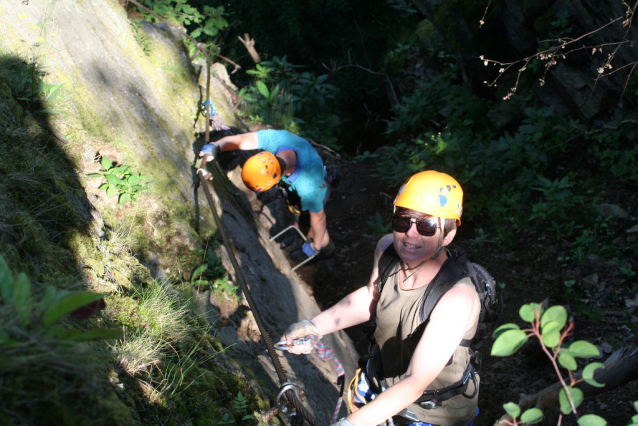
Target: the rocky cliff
(132, 95)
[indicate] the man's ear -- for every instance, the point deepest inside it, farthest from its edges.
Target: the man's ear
(449, 237)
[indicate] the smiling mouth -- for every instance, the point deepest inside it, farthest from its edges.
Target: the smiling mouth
(411, 246)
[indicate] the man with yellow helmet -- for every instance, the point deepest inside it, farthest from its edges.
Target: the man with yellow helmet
(413, 357)
(289, 159)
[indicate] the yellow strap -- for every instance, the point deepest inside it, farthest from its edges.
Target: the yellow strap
(352, 388)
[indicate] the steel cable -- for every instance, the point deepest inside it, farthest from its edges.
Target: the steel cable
(281, 374)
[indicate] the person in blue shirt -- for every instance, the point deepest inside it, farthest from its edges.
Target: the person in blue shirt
(290, 159)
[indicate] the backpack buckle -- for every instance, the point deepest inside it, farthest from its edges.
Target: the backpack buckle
(428, 404)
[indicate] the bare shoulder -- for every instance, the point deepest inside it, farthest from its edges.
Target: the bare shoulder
(384, 243)
(460, 297)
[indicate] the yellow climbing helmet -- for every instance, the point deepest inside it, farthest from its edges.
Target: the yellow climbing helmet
(433, 193)
(261, 171)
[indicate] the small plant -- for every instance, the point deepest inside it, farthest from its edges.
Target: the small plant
(142, 38)
(379, 227)
(558, 198)
(239, 408)
(551, 327)
(120, 181)
(212, 273)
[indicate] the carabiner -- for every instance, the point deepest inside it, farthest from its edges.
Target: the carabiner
(283, 344)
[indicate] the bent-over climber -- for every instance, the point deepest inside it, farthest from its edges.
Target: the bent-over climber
(411, 356)
(289, 161)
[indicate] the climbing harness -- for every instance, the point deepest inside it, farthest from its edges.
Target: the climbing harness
(218, 123)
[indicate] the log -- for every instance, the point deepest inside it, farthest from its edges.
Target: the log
(620, 368)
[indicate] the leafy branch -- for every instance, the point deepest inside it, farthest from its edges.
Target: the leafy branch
(550, 55)
(551, 327)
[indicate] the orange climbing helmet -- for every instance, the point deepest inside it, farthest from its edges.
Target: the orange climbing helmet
(261, 171)
(433, 193)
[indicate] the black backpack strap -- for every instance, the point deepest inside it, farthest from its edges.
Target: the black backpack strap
(450, 273)
(388, 260)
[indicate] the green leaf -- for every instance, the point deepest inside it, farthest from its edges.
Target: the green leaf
(509, 342)
(567, 361)
(106, 162)
(51, 294)
(576, 395)
(555, 313)
(94, 334)
(95, 175)
(527, 313)
(110, 191)
(512, 409)
(263, 89)
(635, 402)
(200, 282)
(68, 304)
(6, 281)
(124, 198)
(104, 186)
(583, 349)
(591, 420)
(588, 374)
(118, 169)
(552, 338)
(527, 129)
(200, 270)
(503, 328)
(533, 415)
(22, 297)
(113, 180)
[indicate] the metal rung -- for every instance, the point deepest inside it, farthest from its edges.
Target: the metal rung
(311, 257)
(302, 236)
(291, 226)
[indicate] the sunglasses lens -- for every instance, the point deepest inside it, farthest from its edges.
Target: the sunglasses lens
(402, 224)
(427, 229)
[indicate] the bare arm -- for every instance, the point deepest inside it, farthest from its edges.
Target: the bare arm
(452, 317)
(356, 308)
(241, 141)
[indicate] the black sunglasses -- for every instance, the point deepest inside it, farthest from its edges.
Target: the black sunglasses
(426, 227)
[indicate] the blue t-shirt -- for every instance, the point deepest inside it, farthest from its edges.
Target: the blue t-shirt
(309, 173)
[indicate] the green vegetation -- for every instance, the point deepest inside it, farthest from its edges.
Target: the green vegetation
(120, 181)
(161, 359)
(212, 273)
(551, 327)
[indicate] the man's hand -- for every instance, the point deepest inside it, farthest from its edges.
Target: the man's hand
(297, 330)
(212, 149)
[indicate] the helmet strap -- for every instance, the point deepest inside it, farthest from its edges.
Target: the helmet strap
(438, 249)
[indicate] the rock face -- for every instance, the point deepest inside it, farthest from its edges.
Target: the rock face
(145, 106)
